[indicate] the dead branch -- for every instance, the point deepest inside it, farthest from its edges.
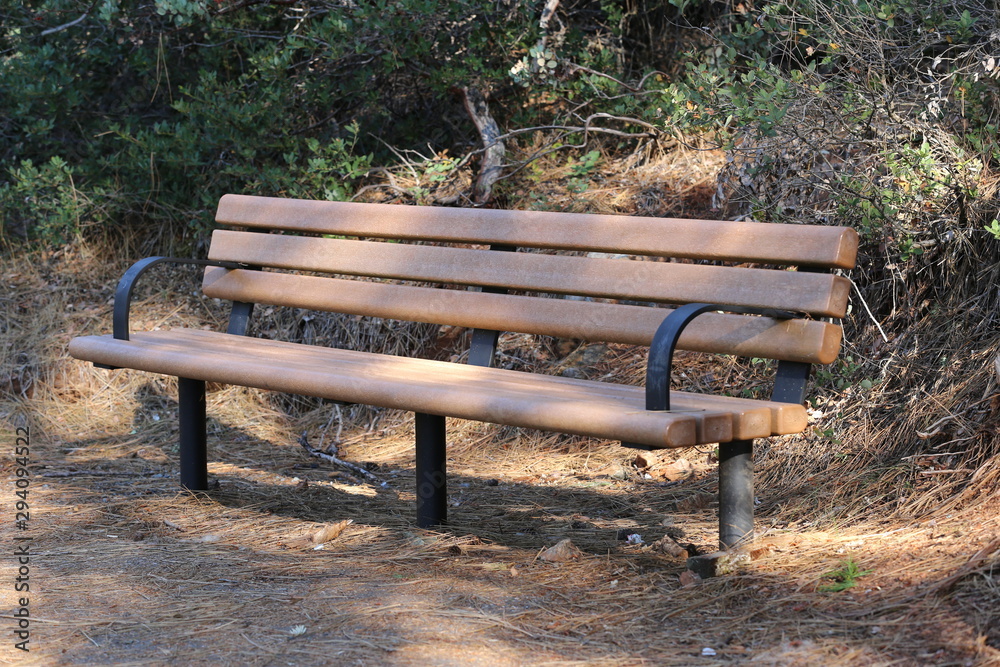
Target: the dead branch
(574, 68)
(353, 467)
(101, 473)
(567, 130)
(72, 23)
(974, 563)
(64, 26)
(547, 13)
(493, 146)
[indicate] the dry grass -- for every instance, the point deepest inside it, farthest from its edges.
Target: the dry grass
(128, 569)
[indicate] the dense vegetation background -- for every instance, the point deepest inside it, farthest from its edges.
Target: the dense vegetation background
(128, 119)
(140, 113)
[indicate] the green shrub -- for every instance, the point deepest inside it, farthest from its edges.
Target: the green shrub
(881, 116)
(46, 197)
(157, 108)
(120, 113)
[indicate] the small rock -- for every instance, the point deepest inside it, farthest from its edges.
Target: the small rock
(331, 531)
(718, 563)
(621, 474)
(689, 578)
(699, 501)
(667, 545)
(562, 552)
(679, 469)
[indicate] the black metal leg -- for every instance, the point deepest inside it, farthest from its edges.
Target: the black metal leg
(432, 481)
(790, 382)
(194, 449)
(735, 493)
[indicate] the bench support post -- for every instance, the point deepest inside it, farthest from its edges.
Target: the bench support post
(193, 441)
(239, 318)
(432, 480)
(790, 382)
(735, 493)
(483, 348)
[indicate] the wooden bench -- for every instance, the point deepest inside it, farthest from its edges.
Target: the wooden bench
(495, 271)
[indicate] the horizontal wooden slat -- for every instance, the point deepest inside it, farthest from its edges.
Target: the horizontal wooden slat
(434, 387)
(807, 341)
(783, 418)
(750, 418)
(508, 397)
(814, 293)
(804, 245)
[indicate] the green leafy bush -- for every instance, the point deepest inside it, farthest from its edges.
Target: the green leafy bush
(877, 115)
(156, 109)
(47, 196)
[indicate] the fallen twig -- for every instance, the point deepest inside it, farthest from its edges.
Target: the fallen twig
(973, 564)
(353, 467)
(333, 447)
(100, 473)
(72, 23)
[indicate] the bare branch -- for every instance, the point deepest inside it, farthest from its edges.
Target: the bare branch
(64, 26)
(493, 146)
(580, 68)
(353, 467)
(547, 13)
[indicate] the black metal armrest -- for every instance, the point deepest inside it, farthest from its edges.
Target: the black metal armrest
(661, 350)
(123, 293)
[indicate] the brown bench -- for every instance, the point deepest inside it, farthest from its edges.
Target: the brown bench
(510, 280)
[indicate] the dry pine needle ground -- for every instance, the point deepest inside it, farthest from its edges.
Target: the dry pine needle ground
(288, 560)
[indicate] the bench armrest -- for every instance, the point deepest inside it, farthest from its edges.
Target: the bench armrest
(123, 293)
(661, 350)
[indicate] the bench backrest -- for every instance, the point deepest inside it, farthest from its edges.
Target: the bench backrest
(337, 243)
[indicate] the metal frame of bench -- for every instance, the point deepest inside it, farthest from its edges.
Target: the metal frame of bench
(736, 493)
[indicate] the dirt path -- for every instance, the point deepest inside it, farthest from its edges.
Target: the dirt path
(126, 569)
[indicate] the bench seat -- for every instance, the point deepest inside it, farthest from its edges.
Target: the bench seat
(554, 403)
